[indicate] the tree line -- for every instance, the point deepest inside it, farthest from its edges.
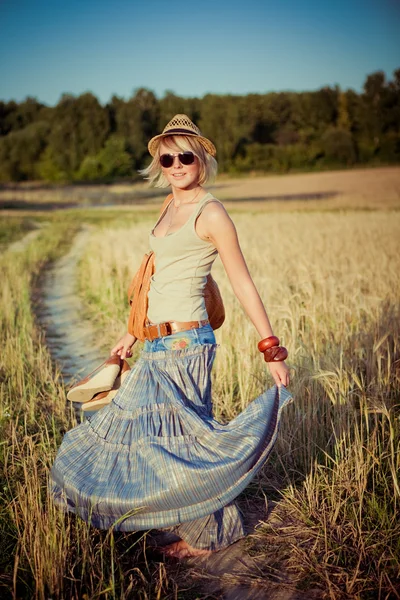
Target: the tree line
(81, 140)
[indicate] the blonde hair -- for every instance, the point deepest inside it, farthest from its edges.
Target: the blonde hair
(208, 165)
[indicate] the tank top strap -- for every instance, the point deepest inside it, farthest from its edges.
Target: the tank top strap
(163, 210)
(203, 203)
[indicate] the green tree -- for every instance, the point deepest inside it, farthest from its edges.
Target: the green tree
(261, 122)
(223, 121)
(14, 117)
(6, 110)
(320, 109)
(136, 122)
(79, 138)
(343, 119)
(111, 162)
(48, 167)
(338, 146)
(20, 151)
(94, 124)
(170, 105)
(79, 128)
(374, 91)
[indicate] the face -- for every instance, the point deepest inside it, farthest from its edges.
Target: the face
(183, 177)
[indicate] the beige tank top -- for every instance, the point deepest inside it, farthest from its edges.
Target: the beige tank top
(182, 262)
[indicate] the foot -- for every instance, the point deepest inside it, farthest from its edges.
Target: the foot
(182, 550)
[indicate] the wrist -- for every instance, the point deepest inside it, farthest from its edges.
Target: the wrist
(265, 332)
(272, 350)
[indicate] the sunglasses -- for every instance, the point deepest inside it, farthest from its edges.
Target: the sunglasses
(185, 158)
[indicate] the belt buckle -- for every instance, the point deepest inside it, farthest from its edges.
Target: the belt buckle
(163, 329)
(168, 328)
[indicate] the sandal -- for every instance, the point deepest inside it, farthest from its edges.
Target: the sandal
(101, 379)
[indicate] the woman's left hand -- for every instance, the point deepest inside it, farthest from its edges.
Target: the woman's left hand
(280, 373)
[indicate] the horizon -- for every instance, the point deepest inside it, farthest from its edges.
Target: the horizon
(388, 77)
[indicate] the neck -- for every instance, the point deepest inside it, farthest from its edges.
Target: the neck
(187, 195)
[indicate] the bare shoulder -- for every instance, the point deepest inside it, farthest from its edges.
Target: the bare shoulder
(215, 212)
(214, 221)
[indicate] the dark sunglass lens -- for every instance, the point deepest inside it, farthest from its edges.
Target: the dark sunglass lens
(166, 160)
(186, 158)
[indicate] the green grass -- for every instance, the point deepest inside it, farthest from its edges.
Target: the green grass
(14, 228)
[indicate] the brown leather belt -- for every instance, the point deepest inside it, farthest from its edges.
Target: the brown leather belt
(152, 332)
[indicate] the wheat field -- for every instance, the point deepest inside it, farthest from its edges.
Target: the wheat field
(331, 285)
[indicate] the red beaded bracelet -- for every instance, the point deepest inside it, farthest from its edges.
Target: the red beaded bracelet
(268, 342)
(273, 352)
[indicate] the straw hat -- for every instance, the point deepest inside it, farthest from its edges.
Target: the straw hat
(181, 125)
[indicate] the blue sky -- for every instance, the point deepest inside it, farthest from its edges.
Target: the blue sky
(192, 47)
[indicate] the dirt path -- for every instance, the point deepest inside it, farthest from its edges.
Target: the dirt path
(72, 341)
(22, 243)
(231, 574)
(260, 573)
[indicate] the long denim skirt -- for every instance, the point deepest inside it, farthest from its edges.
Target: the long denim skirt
(155, 458)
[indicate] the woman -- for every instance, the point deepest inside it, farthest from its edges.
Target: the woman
(155, 458)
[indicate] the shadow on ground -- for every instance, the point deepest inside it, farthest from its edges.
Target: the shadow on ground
(101, 200)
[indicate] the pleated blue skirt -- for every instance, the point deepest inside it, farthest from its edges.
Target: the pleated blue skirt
(155, 458)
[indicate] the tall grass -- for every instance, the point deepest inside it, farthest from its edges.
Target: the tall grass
(331, 285)
(44, 553)
(32, 412)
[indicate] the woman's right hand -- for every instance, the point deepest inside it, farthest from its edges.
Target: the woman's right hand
(123, 347)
